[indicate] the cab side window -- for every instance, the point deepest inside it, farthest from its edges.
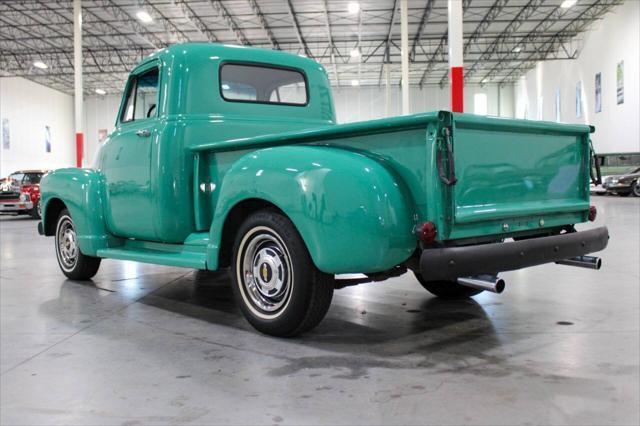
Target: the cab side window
(142, 97)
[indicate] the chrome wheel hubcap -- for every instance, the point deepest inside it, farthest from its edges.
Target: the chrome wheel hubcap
(67, 243)
(266, 269)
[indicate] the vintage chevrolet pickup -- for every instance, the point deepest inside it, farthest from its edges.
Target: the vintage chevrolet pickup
(230, 157)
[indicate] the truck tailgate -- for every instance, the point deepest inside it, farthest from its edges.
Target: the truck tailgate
(516, 175)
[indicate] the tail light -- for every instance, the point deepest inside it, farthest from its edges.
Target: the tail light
(593, 212)
(426, 232)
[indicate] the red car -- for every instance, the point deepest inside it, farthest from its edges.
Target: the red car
(20, 193)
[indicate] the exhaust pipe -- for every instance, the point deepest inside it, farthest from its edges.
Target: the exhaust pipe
(590, 262)
(483, 282)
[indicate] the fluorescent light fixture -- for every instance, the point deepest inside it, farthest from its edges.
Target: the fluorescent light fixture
(566, 4)
(353, 7)
(355, 53)
(144, 17)
(517, 49)
(355, 82)
(101, 92)
(41, 65)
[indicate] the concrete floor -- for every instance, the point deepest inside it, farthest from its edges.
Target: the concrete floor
(147, 344)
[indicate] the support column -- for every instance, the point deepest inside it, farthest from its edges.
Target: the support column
(404, 54)
(387, 87)
(456, 71)
(77, 79)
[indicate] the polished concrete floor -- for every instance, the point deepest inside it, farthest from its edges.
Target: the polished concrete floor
(145, 344)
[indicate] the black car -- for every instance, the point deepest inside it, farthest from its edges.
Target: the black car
(625, 183)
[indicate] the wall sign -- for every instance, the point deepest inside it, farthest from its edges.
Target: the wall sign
(620, 82)
(598, 92)
(6, 139)
(579, 99)
(47, 139)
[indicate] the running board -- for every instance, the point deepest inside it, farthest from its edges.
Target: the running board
(184, 258)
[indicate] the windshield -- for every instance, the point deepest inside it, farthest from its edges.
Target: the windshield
(32, 178)
(632, 171)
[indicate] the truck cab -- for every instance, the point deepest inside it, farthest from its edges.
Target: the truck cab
(231, 157)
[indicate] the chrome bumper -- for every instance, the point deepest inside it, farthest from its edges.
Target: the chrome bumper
(17, 206)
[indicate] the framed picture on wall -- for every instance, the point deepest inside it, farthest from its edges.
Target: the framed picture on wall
(579, 99)
(6, 137)
(620, 82)
(47, 139)
(102, 135)
(598, 92)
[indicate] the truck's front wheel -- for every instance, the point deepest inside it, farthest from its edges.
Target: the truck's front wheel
(279, 289)
(447, 289)
(73, 263)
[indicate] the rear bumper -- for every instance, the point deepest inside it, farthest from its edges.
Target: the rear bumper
(454, 262)
(17, 206)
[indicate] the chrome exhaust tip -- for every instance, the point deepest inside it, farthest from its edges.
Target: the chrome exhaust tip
(484, 282)
(590, 262)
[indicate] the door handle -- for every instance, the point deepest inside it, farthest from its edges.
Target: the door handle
(144, 133)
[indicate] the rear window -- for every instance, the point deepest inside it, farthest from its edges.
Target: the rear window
(262, 84)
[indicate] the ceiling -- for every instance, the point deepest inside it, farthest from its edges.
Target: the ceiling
(502, 38)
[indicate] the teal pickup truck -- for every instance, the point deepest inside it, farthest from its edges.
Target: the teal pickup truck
(230, 157)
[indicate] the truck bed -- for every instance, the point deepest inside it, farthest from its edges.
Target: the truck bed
(513, 176)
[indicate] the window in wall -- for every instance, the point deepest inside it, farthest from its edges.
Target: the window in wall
(142, 97)
(262, 84)
(480, 104)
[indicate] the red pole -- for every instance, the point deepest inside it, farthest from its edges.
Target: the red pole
(456, 71)
(79, 149)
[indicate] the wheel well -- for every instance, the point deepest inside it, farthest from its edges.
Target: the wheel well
(53, 209)
(238, 214)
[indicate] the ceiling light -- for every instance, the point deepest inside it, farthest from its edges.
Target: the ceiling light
(517, 49)
(353, 7)
(41, 65)
(101, 92)
(144, 17)
(355, 53)
(355, 82)
(566, 4)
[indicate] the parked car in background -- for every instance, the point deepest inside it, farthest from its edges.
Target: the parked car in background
(626, 183)
(20, 193)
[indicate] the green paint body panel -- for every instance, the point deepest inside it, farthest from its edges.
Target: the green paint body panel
(354, 191)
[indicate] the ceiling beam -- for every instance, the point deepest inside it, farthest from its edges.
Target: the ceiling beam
(263, 23)
(296, 26)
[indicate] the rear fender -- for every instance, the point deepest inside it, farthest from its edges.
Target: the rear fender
(81, 192)
(352, 212)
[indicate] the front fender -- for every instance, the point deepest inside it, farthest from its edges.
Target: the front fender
(81, 192)
(352, 212)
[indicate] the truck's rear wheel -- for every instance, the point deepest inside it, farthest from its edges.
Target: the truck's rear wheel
(447, 289)
(279, 289)
(72, 262)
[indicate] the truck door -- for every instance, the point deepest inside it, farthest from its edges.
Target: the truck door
(127, 161)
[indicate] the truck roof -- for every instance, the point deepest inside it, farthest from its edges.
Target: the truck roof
(250, 54)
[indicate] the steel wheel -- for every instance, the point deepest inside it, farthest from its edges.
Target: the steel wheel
(278, 288)
(265, 271)
(66, 244)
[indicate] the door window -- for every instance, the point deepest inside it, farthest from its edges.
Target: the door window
(142, 97)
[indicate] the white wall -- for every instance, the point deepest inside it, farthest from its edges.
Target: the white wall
(30, 107)
(99, 113)
(368, 102)
(616, 38)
